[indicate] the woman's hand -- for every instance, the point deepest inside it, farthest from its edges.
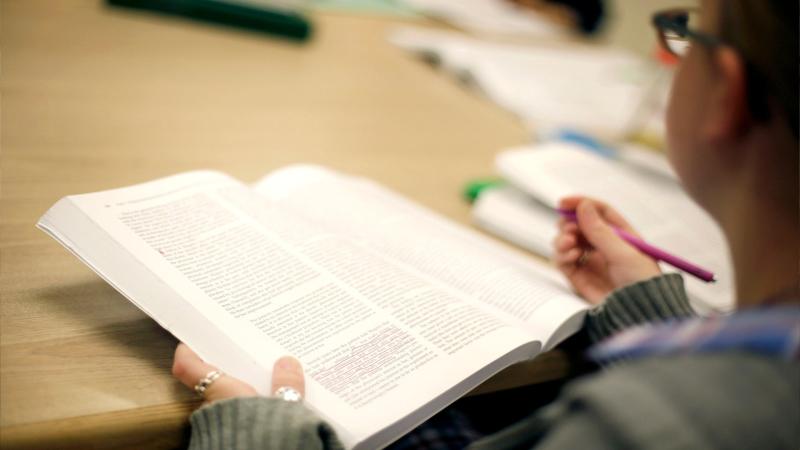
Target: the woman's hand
(190, 369)
(591, 255)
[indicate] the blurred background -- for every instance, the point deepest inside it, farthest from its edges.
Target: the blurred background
(423, 96)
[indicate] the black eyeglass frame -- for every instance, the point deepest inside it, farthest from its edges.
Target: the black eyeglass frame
(667, 21)
(757, 91)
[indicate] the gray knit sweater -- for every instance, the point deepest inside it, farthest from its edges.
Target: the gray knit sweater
(727, 400)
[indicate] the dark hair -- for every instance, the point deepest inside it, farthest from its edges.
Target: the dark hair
(590, 13)
(766, 33)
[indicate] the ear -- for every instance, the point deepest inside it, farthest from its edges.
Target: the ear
(729, 114)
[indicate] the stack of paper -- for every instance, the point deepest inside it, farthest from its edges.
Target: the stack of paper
(599, 91)
(652, 201)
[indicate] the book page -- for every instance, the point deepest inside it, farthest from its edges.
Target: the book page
(378, 340)
(509, 213)
(124, 265)
(655, 205)
(522, 291)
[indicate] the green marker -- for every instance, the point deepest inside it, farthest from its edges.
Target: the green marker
(272, 20)
(474, 188)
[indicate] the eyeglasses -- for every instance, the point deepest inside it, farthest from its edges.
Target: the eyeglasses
(676, 29)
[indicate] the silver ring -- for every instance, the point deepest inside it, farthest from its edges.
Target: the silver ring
(288, 394)
(206, 381)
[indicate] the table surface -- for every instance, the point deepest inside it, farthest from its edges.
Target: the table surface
(95, 98)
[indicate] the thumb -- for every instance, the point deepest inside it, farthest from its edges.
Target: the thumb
(288, 372)
(598, 232)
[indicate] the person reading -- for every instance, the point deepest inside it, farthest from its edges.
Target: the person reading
(678, 380)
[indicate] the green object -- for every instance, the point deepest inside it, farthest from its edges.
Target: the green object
(257, 18)
(475, 187)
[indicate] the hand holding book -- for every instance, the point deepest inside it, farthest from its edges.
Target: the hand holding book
(393, 311)
(189, 369)
(592, 256)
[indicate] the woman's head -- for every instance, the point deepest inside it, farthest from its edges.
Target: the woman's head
(733, 118)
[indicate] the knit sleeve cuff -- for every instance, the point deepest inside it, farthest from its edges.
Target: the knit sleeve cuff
(656, 299)
(259, 422)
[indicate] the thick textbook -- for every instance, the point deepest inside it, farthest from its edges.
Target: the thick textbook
(394, 311)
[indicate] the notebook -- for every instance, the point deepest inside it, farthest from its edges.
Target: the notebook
(652, 201)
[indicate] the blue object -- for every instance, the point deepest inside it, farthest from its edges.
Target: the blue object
(587, 142)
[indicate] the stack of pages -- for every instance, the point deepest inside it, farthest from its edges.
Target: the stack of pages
(638, 184)
(598, 91)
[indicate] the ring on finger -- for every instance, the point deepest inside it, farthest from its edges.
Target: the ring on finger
(206, 382)
(288, 394)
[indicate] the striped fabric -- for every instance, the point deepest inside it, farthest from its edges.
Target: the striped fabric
(259, 423)
(773, 331)
(658, 299)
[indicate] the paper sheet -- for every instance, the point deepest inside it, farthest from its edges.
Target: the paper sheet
(655, 205)
(599, 91)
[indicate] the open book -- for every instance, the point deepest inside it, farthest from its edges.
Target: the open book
(640, 187)
(393, 311)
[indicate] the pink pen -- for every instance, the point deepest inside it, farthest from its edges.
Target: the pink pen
(651, 250)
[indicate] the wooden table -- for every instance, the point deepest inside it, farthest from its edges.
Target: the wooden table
(95, 98)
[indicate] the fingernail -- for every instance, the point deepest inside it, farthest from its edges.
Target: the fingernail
(589, 211)
(287, 363)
